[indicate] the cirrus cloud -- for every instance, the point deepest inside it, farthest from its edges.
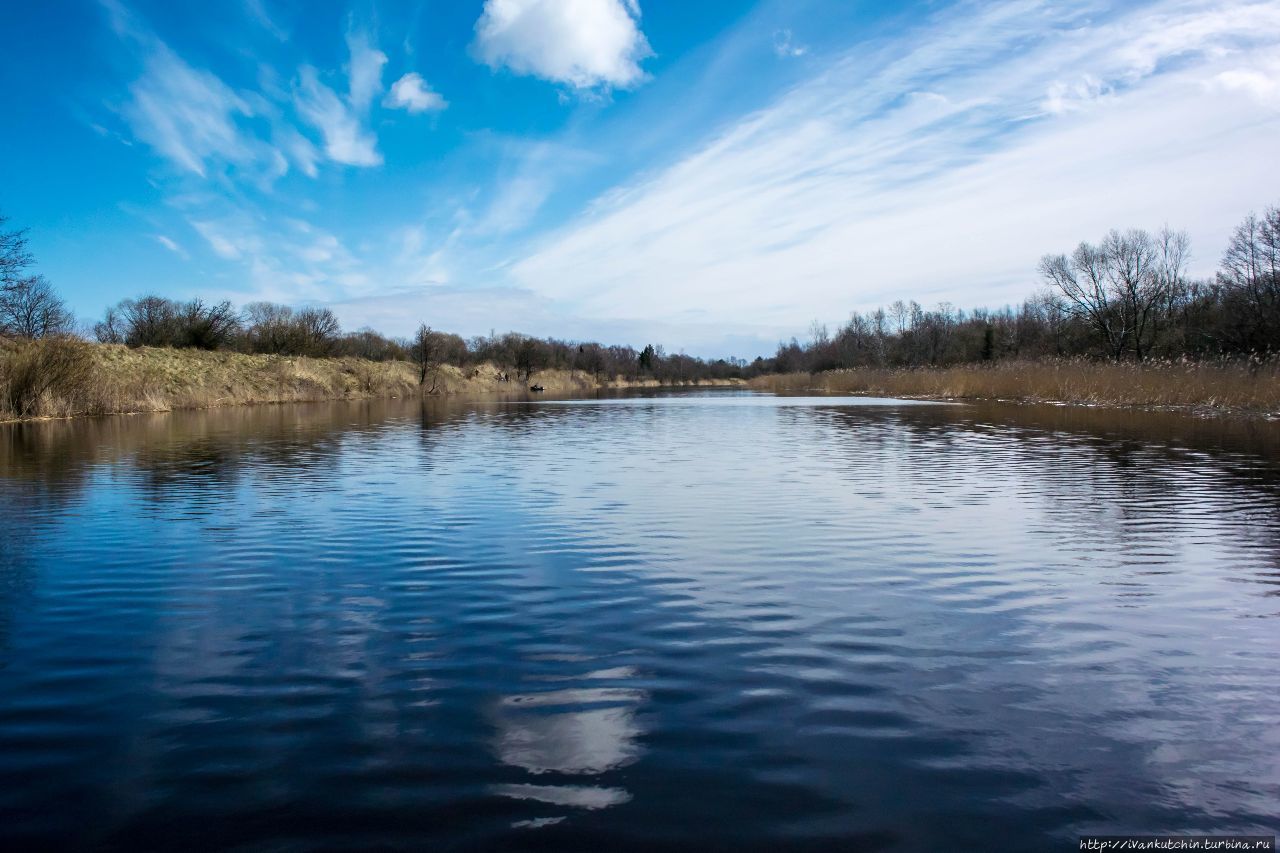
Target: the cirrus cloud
(345, 139)
(938, 167)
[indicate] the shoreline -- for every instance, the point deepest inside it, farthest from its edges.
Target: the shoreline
(1199, 389)
(1189, 410)
(116, 380)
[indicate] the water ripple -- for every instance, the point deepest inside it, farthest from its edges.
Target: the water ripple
(699, 620)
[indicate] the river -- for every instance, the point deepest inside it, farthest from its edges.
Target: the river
(702, 620)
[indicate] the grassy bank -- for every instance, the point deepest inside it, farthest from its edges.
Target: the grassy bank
(1229, 386)
(64, 378)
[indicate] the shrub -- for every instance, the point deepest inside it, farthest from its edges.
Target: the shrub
(153, 321)
(46, 376)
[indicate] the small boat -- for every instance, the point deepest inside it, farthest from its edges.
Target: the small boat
(536, 388)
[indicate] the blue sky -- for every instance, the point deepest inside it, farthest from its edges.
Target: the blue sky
(711, 175)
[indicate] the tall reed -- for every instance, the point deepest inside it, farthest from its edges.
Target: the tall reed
(1247, 385)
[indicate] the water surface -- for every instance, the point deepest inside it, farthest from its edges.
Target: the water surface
(706, 620)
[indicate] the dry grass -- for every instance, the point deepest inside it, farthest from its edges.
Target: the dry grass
(70, 377)
(39, 377)
(1227, 385)
(111, 379)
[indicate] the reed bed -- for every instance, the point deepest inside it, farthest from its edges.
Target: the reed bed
(1246, 385)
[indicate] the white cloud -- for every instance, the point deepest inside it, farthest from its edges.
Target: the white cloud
(190, 116)
(364, 71)
(258, 12)
(301, 151)
(203, 126)
(848, 192)
(412, 93)
(1262, 82)
(785, 46)
(526, 176)
(583, 44)
(341, 122)
(345, 139)
(280, 259)
(222, 244)
(1069, 97)
(171, 245)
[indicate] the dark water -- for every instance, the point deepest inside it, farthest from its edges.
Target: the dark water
(709, 621)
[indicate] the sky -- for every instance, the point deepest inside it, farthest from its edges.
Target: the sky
(713, 176)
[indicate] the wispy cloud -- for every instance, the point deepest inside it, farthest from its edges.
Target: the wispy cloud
(191, 117)
(284, 259)
(938, 167)
(172, 246)
(300, 150)
(204, 127)
(346, 140)
(223, 245)
(583, 44)
(937, 163)
(364, 71)
(528, 173)
(342, 122)
(257, 10)
(785, 46)
(1065, 97)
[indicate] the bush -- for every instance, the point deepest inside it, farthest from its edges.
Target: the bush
(49, 376)
(153, 321)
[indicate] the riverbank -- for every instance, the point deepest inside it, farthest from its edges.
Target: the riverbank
(59, 379)
(1218, 387)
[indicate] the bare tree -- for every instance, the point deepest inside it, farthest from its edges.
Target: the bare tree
(269, 327)
(149, 321)
(1169, 285)
(30, 309)
(279, 330)
(1084, 282)
(1143, 271)
(818, 334)
(369, 344)
(1244, 261)
(898, 311)
(530, 357)
(591, 358)
(154, 321)
(1054, 316)
(425, 352)
(318, 331)
(14, 257)
(110, 330)
(1250, 276)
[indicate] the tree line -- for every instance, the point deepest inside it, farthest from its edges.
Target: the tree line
(31, 309)
(1127, 296)
(264, 327)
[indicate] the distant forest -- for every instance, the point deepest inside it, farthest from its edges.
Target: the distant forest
(1126, 297)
